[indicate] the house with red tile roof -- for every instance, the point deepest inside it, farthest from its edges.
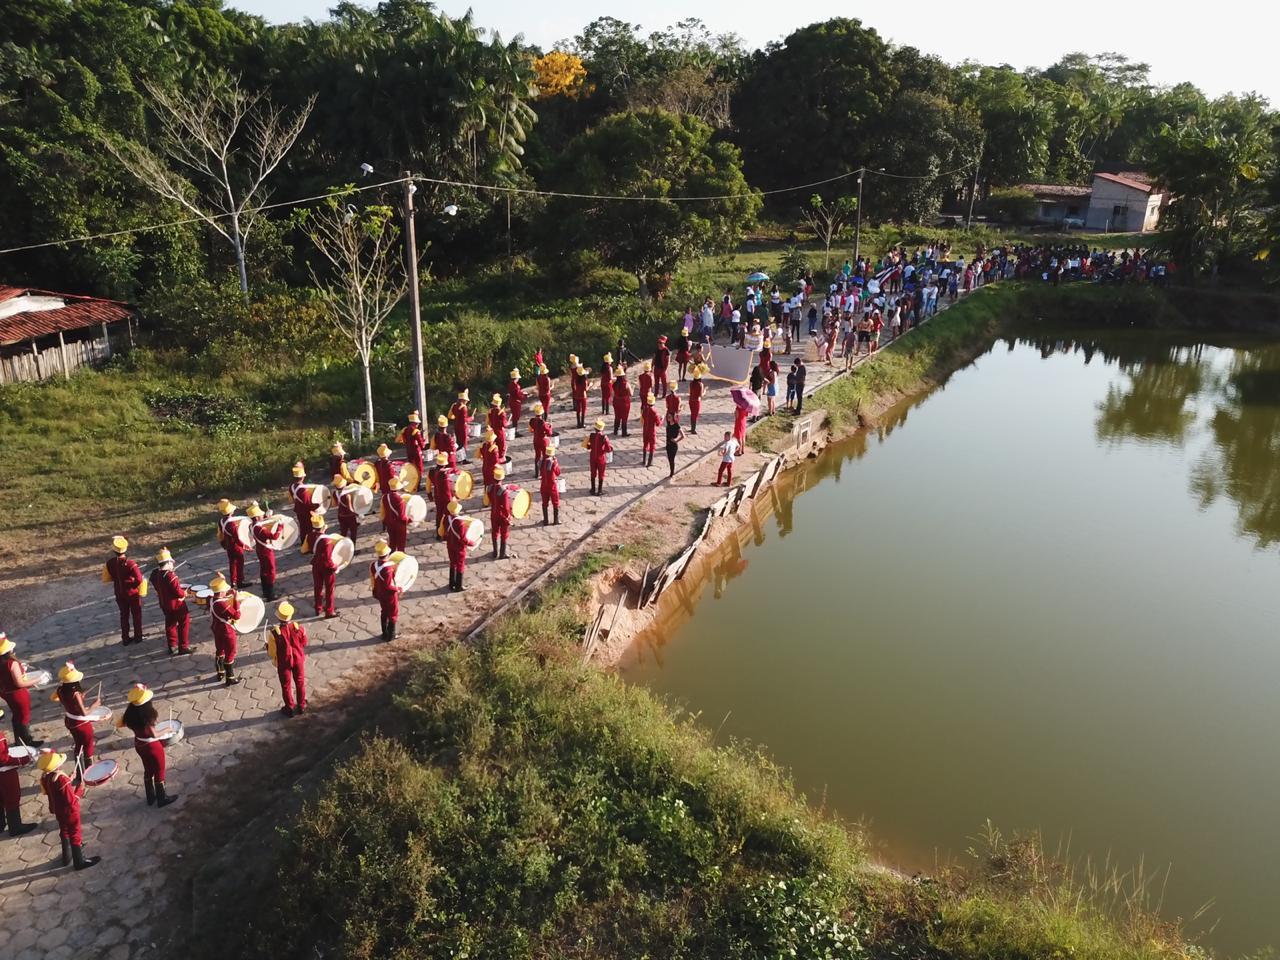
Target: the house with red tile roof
(45, 334)
(1127, 202)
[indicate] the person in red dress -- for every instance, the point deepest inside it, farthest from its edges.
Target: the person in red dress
(498, 423)
(696, 389)
(382, 582)
(460, 417)
(64, 804)
(442, 442)
(288, 649)
(515, 398)
(395, 513)
(141, 717)
(267, 531)
(415, 441)
(648, 430)
(324, 568)
(348, 519)
(606, 384)
(75, 714)
(224, 611)
(661, 363)
(14, 684)
(621, 400)
(500, 496)
(598, 448)
(456, 545)
(11, 790)
(126, 580)
(172, 598)
(490, 457)
(544, 387)
(229, 538)
(549, 482)
(578, 384)
(540, 429)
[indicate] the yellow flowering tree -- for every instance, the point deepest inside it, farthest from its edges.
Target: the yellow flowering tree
(559, 74)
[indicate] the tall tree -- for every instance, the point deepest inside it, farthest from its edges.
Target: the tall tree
(828, 218)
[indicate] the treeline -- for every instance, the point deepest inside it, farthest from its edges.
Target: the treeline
(87, 148)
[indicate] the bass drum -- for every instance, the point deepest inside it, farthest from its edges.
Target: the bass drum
(417, 508)
(289, 533)
(520, 503)
(318, 495)
(361, 500)
(364, 474)
(252, 610)
(406, 573)
(464, 485)
(243, 528)
(344, 551)
(410, 476)
(473, 531)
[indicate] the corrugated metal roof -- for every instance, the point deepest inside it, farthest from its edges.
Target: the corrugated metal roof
(1125, 181)
(1056, 189)
(78, 313)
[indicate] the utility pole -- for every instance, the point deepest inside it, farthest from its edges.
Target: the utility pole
(415, 307)
(857, 232)
(973, 192)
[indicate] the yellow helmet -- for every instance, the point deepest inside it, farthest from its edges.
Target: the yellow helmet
(339, 481)
(464, 394)
(648, 365)
(395, 483)
(6, 644)
(284, 611)
(515, 373)
(573, 359)
(119, 544)
(649, 398)
(499, 473)
(337, 449)
(164, 556)
(50, 760)
(253, 511)
(697, 372)
(414, 417)
(619, 371)
(219, 583)
(496, 401)
(490, 435)
(599, 424)
(672, 386)
(608, 359)
(139, 694)
(383, 450)
(441, 458)
(581, 370)
(317, 521)
(381, 548)
(299, 470)
(226, 507)
(442, 421)
(454, 508)
(68, 673)
(542, 368)
(538, 408)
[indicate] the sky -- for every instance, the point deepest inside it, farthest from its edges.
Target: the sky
(1220, 51)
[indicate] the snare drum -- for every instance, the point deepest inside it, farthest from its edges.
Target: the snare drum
(41, 678)
(510, 432)
(99, 714)
(170, 731)
(474, 431)
(96, 774)
(22, 750)
(203, 595)
(608, 457)
(561, 485)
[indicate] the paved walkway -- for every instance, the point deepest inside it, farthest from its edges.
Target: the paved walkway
(110, 911)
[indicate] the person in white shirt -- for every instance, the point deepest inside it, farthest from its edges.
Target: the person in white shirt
(728, 453)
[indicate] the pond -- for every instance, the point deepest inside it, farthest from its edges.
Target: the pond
(1043, 595)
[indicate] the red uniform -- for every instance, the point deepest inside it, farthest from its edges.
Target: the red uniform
(456, 543)
(10, 787)
(17, 697)
(460, 416)
(661, 362)
(578, 388)
(302, 510)
(338, 466)
(223, 613)
(324, 571)
(648, 428)
(540, 428)
(64, 804)
(382, 467)
(74, 716)
(644, 384)
(348, 519)
(441, 493)
(173, 605)
(291, 663)
(500, 512)
(490, 457)
(606, 388)
(442, 442)
(597, 446)
(696, 388)
(382, 578)
(395, 519)
(544, 391)
(673, 403)
(266, 533)
(227, 536)
(548, 487)
(498, 423)
(515, 401)
(150, 750)
(415, 443)
(126, 578)
(621, 405)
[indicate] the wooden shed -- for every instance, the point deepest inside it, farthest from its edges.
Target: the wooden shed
(45, 334)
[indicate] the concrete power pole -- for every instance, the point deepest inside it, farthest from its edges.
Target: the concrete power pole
(415, 307)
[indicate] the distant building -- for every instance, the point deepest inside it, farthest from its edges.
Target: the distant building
(1124, 203)
(1059, 203)
(44, 334)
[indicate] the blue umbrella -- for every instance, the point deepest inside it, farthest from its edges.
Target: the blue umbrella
(758, 277)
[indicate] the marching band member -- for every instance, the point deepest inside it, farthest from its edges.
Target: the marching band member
(382, 466)
(696, 388)
(548, 484)
(515, 398)
(673, 399)
(14, 685)
(460, 414)
(578, 384)
(498, 424)
(11, 790)
(172, 599)
(382, 582)
(621, 400)
(644, 382)
(415, 441)
(648, 430)
(324, 569)
(682, 354)
(266, 531)
(288, 649)
(661, 361)
(442, 441)
(499, 513)
(456, 545)
(126, 579)
(490, 456)
(302, 506)
(224, 611)
(64, 804)
(140, 716)
(606, 384)
(227, 536)
(348, 519)
(544, 387)
(338, 462)
(395, 513)
(71, 696)
(597, 445)
(540, 429)
(441, 491)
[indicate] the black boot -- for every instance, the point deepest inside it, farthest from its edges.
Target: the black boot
(460, 586)
(162, 798)
(453, 580)
(268, 591)
(149, 786)
(81, 861)
(502, 551)
(391, 630)
(232, 679)
(545, 521)
(66, 852)
(495, 548)
(557, 513)
(22, 733)
(221, 667)
(16, 827)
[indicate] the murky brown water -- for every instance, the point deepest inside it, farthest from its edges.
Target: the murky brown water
(1045, 595)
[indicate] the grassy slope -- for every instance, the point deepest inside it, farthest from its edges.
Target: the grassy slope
(521, 805)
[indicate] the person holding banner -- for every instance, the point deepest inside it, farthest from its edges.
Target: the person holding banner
(173, 604)
(499, 514)
(348, 519)
(224, 611)
(324, 568)
(549, 485)
(395, 511)
(126, 580)
(266, 530)
(140, 717)
(382, 581)
(64, 804)
(75, 714)
(11, 790)
(288, 649)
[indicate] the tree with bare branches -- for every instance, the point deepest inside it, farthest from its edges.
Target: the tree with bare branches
(828, 219)
(218, 144)
(365, 276)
